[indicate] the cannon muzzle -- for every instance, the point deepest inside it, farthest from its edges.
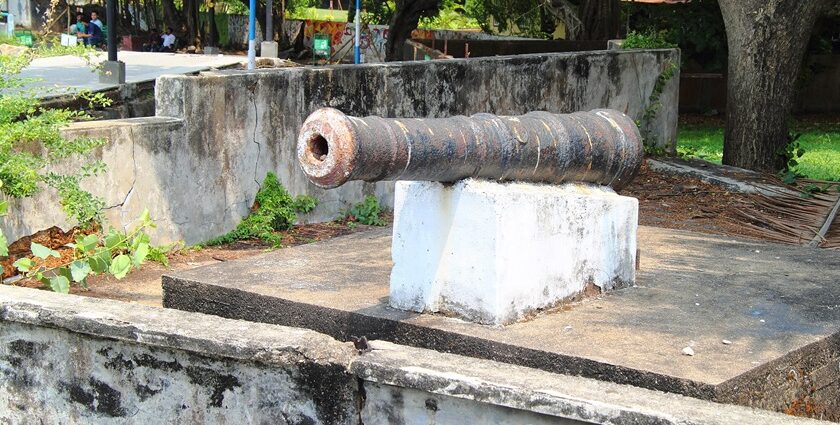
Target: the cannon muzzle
(602, 146)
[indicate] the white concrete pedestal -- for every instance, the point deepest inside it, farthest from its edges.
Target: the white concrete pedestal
(494, 253)
(268, 49)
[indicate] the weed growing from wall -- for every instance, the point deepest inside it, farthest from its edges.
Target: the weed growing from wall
(274, 210)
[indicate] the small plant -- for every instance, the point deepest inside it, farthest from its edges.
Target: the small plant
(791, 154)
(274, 210)
(32, 148)
(647, 40)
(114, 253)
(792, 151)
(366, 212)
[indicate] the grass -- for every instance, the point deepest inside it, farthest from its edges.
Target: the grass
(821, 142)
(315, 14)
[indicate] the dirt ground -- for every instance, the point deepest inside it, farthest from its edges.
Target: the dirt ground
(687, 203)
(665, 200)
(143, 284)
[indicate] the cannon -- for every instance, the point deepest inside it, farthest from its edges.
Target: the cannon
(601, 146)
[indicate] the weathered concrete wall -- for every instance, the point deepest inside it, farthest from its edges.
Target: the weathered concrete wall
(75, 360)
(68, 359)
(199, 163)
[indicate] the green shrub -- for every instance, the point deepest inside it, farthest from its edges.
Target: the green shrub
(647, 40)
(367, 212)
(31, 144)
(274, 210)
(31, 149)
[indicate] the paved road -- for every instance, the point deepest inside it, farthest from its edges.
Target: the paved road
(63, 74)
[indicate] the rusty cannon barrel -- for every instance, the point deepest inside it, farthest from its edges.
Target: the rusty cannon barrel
(601, 146)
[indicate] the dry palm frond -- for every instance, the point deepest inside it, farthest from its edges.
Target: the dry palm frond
(793, 215)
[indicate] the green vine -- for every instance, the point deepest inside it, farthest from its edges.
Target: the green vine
(649, 138)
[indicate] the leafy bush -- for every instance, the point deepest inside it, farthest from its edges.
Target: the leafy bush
(367, 212)
(274, 210)
(31, 144)
(31, 149)
(115, 253)
(697, 27)
(647, 40)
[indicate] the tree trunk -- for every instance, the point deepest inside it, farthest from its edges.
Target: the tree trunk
(351, 11)
(406, 17)
(260, 12)
(600, 19)
(171, 16)
(191, 12)
(278, 17)
(767, 41)
(212, 32)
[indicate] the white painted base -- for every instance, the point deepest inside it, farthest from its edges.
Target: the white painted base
(268, 49)
(493, 253)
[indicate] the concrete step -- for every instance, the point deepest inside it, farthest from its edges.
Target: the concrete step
(761, 319)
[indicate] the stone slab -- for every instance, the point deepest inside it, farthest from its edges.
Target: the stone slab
(778, 305)
(495, 253)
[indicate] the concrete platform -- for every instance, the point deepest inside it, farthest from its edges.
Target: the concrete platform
(64, 75)
(779, 306)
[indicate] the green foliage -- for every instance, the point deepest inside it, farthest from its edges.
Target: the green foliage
(452, 16)
(116, 253)
(644, 122)
(367, 212)
(696, 27)
(521, 17)
(31, 143)
(647, 40)
(792, 152)
(274, 210)
(31, 150)
(820, 143)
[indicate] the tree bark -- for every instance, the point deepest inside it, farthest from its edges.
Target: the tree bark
(260, 12)
(600, 19)
(191, 12)
(767, 41)
(212, 32)
(406, 17)
(171, 16)
(351, 11)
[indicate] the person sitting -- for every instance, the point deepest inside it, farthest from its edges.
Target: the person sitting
(93, 34)
(153, 43)
(94, 19)
(168, 38)
(79, 26)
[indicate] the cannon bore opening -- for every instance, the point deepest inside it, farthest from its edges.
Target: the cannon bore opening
(318, 147)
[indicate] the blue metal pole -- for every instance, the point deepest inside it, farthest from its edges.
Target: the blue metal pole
(252, 34)
(357, 54)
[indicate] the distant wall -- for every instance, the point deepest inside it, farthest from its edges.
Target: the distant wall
(28, 13)
(198, 164)
(461, 48)
(701, 93)
(373, 37)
